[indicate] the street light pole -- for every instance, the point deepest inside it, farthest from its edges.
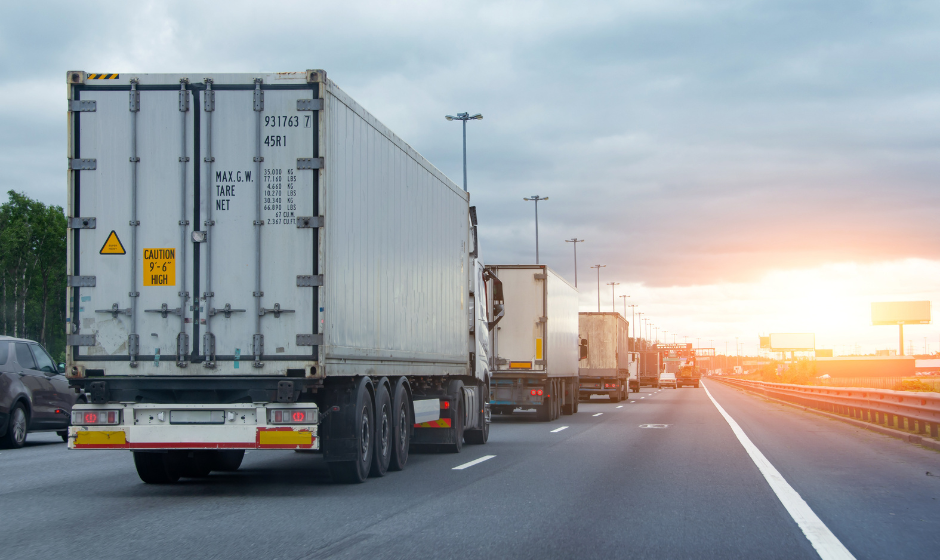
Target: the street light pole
(536, 198)
(575, 241)
(599, 267)
(464, 117)
(613, 296)
(632, 319)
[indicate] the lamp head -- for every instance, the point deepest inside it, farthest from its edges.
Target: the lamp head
(449, 117)
(477, 117)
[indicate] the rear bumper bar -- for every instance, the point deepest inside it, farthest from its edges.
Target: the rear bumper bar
(149, 427)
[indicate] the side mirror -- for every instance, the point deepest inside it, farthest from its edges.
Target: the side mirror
(61, 368)
(583, 348)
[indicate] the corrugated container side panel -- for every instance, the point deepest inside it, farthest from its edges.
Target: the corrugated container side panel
(608, 344)
(562, 326)
(395, 247)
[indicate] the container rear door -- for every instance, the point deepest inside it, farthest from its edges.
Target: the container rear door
(124, 262)
(234, 135)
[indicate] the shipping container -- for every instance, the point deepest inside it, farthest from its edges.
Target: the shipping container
(536, 343)
(241, 243)
(609, 368)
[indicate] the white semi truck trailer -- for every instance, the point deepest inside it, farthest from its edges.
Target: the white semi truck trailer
(256, 262)
(536, 343)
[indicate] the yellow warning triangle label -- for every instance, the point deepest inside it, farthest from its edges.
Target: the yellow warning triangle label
(112, 245)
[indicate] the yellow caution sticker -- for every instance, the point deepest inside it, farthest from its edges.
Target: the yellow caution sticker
(285, 437)
(103, 76)
(112, 245)
(538, 348)
(86, 437)
(160, 267)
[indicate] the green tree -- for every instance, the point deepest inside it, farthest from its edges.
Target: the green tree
(32, 271)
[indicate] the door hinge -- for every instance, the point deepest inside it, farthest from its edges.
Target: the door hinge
(81, 281)
(83, 105)
(83, 164)
(310, 163)
(309, 339)
(309, 104)
(309, 221)
(309, 280)
(82, 223)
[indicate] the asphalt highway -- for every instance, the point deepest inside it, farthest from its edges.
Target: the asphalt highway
(661, 476)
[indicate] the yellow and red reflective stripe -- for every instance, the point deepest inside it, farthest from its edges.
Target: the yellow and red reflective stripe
(442, 423)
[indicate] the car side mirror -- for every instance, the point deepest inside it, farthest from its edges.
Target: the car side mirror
(61, 368)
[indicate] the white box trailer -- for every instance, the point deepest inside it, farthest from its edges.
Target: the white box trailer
(255, 261)
(536, 343)
(609, 368)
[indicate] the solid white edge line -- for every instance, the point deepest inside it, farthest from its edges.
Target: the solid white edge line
(559, 429)
(473, 462)
(598, 414)
(827, 545)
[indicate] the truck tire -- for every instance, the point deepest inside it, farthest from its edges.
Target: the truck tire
(195, 464)
(228, 460)
(356, 471)
(481, 435)
(382, 453)
(457, 424)
(574, 407)
(155, 468)
(615, 397)
(402, 426)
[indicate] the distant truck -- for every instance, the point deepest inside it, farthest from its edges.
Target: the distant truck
(608, 367)
(536, 342)
(689, 375)
(649, 368)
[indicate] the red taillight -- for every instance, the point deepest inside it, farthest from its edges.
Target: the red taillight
(293, 416)
(92, 417)
(536, 392)
(445, 405)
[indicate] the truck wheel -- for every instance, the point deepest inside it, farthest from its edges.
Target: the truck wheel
(228, 460)
(574, 407)
(199, 465)
(155, 468)
(615, 397)
(481, 435)
(401, 427)
(383, 430)
(17, 427)
(457, 424)
(357, 471)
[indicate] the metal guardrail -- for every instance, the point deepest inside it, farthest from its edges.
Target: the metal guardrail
(903, 410)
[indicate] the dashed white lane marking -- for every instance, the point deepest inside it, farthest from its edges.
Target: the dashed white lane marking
(474, 462)
(621, 406)
(598, 414)
(559, 429)
(642, 397)
(635, 401)
(827, 545)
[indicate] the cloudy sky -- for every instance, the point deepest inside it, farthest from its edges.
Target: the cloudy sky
(741, 167)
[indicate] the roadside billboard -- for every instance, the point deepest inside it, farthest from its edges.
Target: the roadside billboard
(900, 313)
(792, 342)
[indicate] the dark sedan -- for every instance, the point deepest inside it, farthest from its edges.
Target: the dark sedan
(34, 394)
